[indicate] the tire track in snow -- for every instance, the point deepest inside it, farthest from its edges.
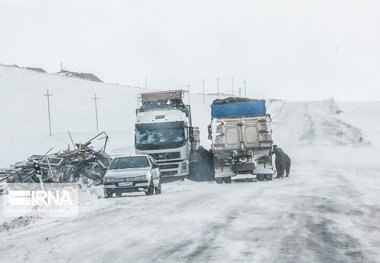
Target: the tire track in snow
(317, 235)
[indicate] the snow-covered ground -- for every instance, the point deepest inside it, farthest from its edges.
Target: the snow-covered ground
(327, 211)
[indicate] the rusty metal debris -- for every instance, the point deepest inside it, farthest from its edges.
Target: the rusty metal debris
(83, 164)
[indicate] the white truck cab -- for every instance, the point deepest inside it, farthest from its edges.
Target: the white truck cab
(164, 131)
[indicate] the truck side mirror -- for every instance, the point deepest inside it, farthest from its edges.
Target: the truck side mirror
(191, 134)
(209, 128)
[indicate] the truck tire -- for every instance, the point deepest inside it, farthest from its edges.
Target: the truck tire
(150, 189)
(268, 177)
(260, 177)
(219, 180)
(227, 180)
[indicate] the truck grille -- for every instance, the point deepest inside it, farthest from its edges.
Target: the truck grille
(165, 156)
(169, 166)
(168, 173)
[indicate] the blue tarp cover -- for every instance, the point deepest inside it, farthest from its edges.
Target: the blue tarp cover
(237, 109)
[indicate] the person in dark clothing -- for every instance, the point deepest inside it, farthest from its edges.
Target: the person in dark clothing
(282, 162)
(279, 161)
(287, 164)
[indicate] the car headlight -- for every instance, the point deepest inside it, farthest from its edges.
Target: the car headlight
(110, 180)
(141, 177)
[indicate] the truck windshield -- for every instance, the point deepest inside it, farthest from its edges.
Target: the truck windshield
(129, 162)
(147, 139)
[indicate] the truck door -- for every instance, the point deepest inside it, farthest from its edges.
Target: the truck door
(232, 135)
(250, 134)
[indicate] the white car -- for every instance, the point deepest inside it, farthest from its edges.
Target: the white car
(132, 174)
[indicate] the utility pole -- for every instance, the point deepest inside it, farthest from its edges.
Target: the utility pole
(245, 88)
(218, 85)
(188, 89)
(239, 92)
(203, 85)
(96, 112)
(146, 82)
(48, 101)
(232, 82)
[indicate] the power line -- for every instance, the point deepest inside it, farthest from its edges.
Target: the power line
(48, 101)
(188, 89)
(218, 85)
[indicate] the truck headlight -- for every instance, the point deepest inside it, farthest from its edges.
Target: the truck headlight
(184, 167)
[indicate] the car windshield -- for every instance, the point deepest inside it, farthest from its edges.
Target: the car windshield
(129, 162)
(154, 138)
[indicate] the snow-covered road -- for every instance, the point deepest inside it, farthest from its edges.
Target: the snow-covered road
(321, 214)
(327, 211)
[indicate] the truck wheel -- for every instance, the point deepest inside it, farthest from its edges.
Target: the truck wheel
(108, 193)
(150, 190)
(157, 190)
(260, 177)
(268, 177)
(219, 180)
(227, 180)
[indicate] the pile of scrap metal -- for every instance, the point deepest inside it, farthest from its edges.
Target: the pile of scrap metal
(83, 165)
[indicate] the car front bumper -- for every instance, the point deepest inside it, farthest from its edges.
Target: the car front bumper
(121, 185)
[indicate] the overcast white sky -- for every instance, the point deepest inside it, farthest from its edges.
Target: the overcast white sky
(289, 49)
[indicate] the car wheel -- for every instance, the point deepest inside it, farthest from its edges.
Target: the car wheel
(157, 190)
(119, 194)
(268, 177)
(150, 190)
(227, 180)
(218, 180)
(108, 193)
(260, 177)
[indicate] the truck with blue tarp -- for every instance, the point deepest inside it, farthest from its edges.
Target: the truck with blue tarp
(241, 136)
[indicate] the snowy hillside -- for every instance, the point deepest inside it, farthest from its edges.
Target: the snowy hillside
(24, 117)
(327, 211)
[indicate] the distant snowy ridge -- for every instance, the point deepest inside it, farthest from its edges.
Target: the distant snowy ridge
(40, 70)
(86, 76)
(63, 72)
